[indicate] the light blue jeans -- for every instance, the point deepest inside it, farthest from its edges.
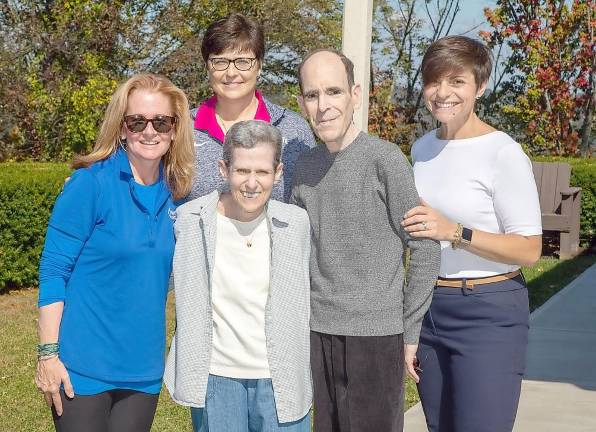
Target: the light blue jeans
(241, 405)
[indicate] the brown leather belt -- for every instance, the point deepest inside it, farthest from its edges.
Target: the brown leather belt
(470, 283)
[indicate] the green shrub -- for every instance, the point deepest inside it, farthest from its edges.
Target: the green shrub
(27, 194)
(583, 174)
(28, 191)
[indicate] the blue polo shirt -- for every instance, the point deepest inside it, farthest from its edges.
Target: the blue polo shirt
(108, 257)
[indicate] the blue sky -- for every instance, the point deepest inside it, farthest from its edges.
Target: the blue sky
(471, 14)
(469, 20)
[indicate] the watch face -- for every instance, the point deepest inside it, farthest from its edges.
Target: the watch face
(466, 234)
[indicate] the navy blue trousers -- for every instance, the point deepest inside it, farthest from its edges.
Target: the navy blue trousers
(472, 354)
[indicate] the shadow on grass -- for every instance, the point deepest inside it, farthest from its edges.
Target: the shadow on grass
(543, 285)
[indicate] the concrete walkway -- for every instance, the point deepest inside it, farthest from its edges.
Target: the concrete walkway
(559, 389)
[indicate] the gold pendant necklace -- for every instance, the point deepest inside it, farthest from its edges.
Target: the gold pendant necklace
(248, 240)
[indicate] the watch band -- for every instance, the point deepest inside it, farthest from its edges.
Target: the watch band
(466, 236)
(457, 236)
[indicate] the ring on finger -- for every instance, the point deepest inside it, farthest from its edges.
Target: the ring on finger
(423, 223)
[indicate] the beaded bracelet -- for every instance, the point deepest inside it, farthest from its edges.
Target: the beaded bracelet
(457, 240)
(48, 350)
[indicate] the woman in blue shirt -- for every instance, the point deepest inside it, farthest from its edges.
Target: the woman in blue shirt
(106, 263)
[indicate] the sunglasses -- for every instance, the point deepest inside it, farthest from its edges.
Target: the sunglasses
(138, 123)
(240, 63)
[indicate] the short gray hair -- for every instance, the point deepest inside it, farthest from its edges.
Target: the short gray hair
(247, 134)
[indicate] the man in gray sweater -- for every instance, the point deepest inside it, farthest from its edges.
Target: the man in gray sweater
(364, 319)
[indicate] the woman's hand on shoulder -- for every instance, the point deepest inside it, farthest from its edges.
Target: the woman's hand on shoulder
(50, 374)
(425, 221)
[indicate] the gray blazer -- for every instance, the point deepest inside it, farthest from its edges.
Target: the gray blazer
(286, 313)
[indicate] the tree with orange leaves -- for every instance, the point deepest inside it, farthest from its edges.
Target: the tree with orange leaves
(549, 87)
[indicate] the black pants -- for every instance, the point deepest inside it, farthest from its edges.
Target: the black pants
(111, 411)
(472, 354)
(358, 383)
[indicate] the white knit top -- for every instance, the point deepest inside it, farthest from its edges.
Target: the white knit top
(485, 183)
(239, 295)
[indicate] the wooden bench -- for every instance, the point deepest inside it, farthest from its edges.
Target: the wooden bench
(559, 204)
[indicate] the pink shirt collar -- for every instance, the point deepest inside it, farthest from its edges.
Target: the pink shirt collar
(206, 121)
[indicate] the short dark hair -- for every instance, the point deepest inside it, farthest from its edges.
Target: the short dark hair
(348, 65)
(235, 32)
(247, 134)
(454, 54)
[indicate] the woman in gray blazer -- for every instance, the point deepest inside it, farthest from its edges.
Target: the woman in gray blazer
(240, 354)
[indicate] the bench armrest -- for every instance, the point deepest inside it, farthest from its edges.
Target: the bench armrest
(571, 191)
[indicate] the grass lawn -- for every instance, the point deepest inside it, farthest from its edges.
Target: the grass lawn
(549, 275)
(22, 407)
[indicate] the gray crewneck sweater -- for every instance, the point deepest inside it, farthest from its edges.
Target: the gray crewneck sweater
(355, 200)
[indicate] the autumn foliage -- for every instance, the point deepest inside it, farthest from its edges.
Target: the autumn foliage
(389, 119)
(60, 60)
(552, 68)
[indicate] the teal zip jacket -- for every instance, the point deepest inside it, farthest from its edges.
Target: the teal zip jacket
(108, 258)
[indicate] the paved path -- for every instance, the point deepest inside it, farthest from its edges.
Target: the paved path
(559, 389)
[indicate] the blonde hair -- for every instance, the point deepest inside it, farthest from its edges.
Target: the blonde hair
(178, 161)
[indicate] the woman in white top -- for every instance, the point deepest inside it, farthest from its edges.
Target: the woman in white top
(240, 354)
(479, 199)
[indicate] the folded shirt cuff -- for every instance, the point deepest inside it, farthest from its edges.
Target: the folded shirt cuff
(51, 291)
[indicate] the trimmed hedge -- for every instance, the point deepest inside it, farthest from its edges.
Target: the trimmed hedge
(28, 191)
(27, 194)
